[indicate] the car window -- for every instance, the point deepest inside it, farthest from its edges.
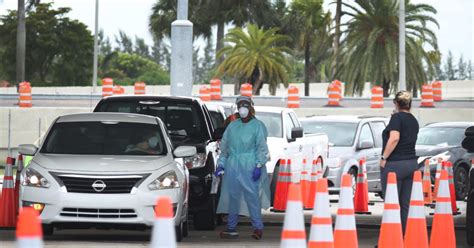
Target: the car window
(440, 136)
(365, 134)
(378, 128)
(339, 133)
(217, 119)
(104, 138)
(272, 122)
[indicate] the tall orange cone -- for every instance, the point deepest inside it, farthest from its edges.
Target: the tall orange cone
(321, 222)
(294, 234)
(19, 168)
(427, 195)
(439, 168)
(361, 197)
(345, 233)
(7, 208)
(452, 189)
(305, 184)
(442, 230)
(281, 190)
(416, 234)
(391, 229)
(315, 171)
(163, 234)
(29, 232)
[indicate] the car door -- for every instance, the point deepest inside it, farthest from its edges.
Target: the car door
(377, 129)
(367, 151)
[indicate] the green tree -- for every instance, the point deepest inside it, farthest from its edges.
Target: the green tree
(256, 57)
(449, 67)
(306, 16)
(371, 44)
(469, 71)
(52, 43)
(462, 69)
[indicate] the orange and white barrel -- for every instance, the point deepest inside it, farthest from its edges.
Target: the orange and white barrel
(205, 93)
(334, 95)
(216, 89)
(376, 100)
(25, 98)
(246, 90)
(437, 91)
(427, 96)
(118, 90)
(293, 97)
(339, 87)
(140, 88)
(107, 87)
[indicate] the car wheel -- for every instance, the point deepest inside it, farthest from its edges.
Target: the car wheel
(273, 183)
(460, 182)
(353, 173)
(470, 219)
(206, 219)
(185, 231)
(179, 232)
(48, 230)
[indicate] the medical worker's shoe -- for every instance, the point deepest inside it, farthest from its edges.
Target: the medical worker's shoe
(257, 234)
(229, 234)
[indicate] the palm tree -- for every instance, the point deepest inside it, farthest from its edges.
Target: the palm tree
(255, 56)
(371, 44)
(306, 16)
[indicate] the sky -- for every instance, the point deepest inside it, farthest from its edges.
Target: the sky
(456, 19)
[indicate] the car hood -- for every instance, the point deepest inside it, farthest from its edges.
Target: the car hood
(427, 150)
(101, 163)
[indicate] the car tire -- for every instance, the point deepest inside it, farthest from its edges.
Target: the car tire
(461, 181)
(273, 183)
(470, 219)
(179, 232)
(48, 230)
(206, 219)
(185, 230)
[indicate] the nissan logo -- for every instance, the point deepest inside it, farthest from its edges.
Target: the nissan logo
(98, 185)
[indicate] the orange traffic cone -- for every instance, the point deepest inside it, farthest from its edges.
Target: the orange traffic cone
(439, 168)
(452, 190)
(416, 234)
(305, 184)
(345, 233)
(315, 171)
(361, 197)
(7, 208)
(391, 230)
(442, 230)
(19, 168)
(281, 190)
(293, 234)
(427, 195)
(163, 229)
(29, 233)
(321, 222)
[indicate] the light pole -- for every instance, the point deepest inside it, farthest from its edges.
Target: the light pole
(96, 49)
(401, 45)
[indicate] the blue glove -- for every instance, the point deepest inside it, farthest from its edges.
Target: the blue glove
(219, 171)
(257, 172)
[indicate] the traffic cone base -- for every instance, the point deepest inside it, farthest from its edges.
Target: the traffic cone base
(387, 233)
(443, 235)
(345, 238)
(29, 232)
(293, 233)
(163, 233)
(7, 206)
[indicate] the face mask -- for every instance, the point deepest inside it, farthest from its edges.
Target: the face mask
(243, 112)
(153, 141)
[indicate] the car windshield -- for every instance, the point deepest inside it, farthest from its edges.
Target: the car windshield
(272, 122)
(339, 133)
(440, 136)
(104, 138)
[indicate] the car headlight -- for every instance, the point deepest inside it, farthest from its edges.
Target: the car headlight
(196, 161)
(168, 180)
(34, 179)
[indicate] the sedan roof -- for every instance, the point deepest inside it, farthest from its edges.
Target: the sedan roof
(108, 117)
(343, 118)
(459, 124)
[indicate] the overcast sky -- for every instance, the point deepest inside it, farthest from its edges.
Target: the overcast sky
(455, 17)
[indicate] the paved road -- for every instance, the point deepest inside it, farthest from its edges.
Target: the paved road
(368, 231)
(313, 102)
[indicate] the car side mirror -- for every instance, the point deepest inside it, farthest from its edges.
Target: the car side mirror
(366, 144)
(29, 150)
(296, 132)
(218, 133)
(184, 151)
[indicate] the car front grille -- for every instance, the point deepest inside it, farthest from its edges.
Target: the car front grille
(99, 184)
(105, 213)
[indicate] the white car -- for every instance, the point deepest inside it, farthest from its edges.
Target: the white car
(105, 170)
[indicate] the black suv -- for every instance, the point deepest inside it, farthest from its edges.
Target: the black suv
(188, 123)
